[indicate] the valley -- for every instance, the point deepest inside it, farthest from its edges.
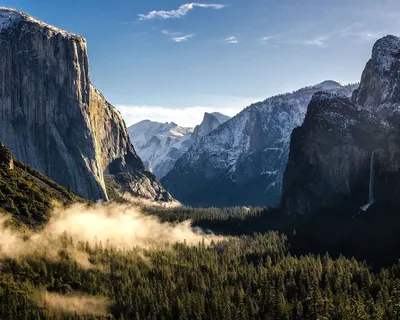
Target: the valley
(286, 210)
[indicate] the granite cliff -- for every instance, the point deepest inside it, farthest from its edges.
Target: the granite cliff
(52, 117)
(347, 151)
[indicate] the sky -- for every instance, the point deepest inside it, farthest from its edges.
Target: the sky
(173, 60)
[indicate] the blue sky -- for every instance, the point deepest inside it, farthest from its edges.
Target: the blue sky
(186, 58)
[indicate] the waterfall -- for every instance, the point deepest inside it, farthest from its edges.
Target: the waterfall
(371, 199)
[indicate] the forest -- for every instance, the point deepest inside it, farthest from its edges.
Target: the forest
(262, 264)
(253, 276)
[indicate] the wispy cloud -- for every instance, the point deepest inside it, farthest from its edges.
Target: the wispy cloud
(269, 38)
(182, 11)
(231, 40)
(365, 35)
(183, 38)
(317, 41)
(354, 31)
(177, 36)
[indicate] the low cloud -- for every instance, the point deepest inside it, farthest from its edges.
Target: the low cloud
(231, 40)
(182, 11)
(120, 226)
(73, 303)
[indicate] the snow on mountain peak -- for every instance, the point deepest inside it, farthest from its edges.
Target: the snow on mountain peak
(328, 85)
(220, 117)
(9, 17)
(386, 51)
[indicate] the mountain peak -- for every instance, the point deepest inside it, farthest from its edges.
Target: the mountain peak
(221, 117)
(10, 17)
(380, 82)
(386, 51)
(211, 121)
(328, 85)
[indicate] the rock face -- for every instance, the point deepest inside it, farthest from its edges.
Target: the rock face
(380, 79)
(242, 162)
(346, 151)
(51, 117)
(160, 145)
(6, 158)
(330, 155)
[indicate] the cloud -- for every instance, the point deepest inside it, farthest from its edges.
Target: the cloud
(365, 35)
(183, 38)
(231, 40)
(72, 303)
(182, 11)
(177, 36)
(187, 117)
(269, 38)
(354, 31)
(318, 41)
(97, 224)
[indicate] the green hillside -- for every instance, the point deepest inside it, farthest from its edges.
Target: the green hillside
(27, 194)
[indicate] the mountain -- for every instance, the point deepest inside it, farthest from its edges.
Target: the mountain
(330, 155)
(347, 152)
(211, 121)
(242, 162)
(52, 117)
(160, 145)
(27, 194)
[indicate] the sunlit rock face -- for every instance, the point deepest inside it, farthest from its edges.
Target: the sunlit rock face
(51, 116)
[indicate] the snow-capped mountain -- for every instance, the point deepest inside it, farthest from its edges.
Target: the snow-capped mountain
(160, 145)
(243, 161)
